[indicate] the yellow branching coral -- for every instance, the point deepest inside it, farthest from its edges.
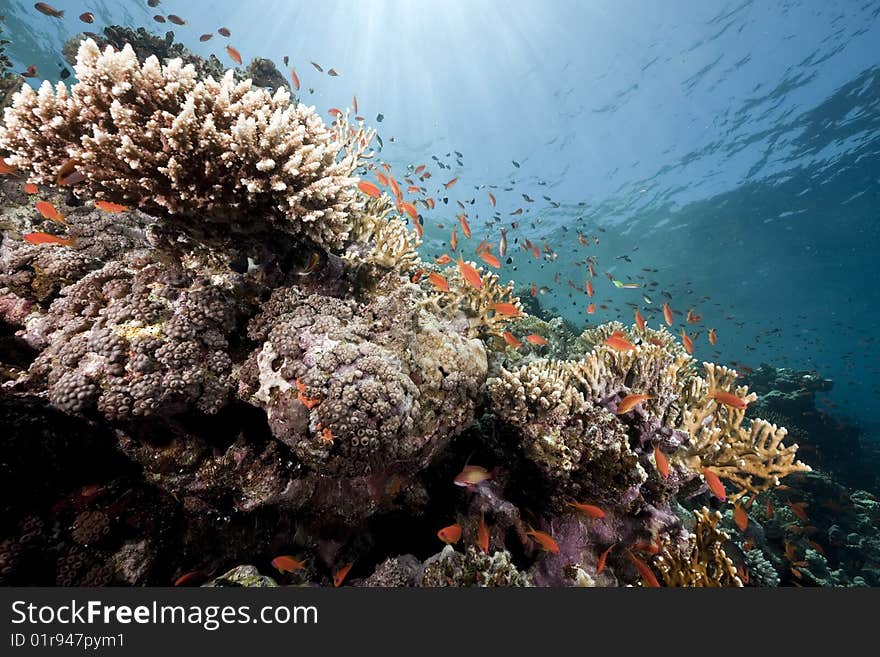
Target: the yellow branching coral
(155, 137)
(479, 306)
(703, 563)
(753, 458)
(382, 239)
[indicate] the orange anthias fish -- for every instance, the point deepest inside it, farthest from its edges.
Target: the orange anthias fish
(661, 462)
(630, 402)
(465, 226)
(619, 343)
(448, 185)
(600, 564)
(334, 111)
(450, 534)
(713, 337)
(294, 78)
(471, 475)
(590, 290)
(419, 169)
(589, 510)
(483, 535)
(489, 259)
(728, 399)
(49, 212)
(339, 575)
(591, 308)
(667, 314)
(453, 240)
(510, 339)
(191, 578)
(287, 564)
(798, 509)
(31, 188)
(507, 309)
(715, 484)
(640, 321)
(410, 209)
(354, 103)
(369, 189)
(5, 169)
(382, 178)
(417, 275)
(740, 517)
(648, 577)
(395, 188)
(444, 259)
(438, 281)
(687, 342)
(544, 540)
(471, 275)
(693, 318)
(112, 208)
(491, 198)
(536, 339)
(46, 238)
(234, 54)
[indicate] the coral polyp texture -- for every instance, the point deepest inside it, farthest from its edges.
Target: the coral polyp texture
(351, 393)
(155, 137)
(246, 357)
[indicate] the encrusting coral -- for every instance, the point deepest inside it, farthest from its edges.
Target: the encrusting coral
(355, 393)
(226, 148)
(139, 336)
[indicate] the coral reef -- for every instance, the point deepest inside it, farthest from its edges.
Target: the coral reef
(248, 360)
(226, 145)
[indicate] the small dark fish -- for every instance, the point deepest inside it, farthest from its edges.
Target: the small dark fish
(332, 72)
(224, 31)
(515, 163)
(30, 72)
(177, 20)
(159, 18)
(318, 67)
(206, 37)
(48, 10)
(87, 17)
(153, 3)
(379, 139)
(286, 60)
(380, 118)
(65, 73)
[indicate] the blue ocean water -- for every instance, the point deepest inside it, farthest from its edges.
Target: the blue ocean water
(732, 149)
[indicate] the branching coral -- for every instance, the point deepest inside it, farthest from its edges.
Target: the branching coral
(581, 447)
(383, 240)
(703, 563)
(753, 458)
(155, 137)
(477, 305)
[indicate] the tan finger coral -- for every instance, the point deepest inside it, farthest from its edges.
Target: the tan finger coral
(155, 137)
(703, 563)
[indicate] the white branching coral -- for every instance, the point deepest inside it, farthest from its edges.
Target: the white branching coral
(155, 137)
